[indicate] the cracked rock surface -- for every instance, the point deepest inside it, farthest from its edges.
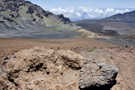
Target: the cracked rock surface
(41, 69)
(48, 69)
(97, 76)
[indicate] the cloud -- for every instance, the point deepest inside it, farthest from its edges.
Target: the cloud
(88, 13)
(78, 14)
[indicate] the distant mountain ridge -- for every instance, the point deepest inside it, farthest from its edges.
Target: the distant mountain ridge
(123, 24)
(23, 18)
(81, 13)
(120, 28)
(128, 17)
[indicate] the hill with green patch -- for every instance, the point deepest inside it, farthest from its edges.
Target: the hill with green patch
(20, 18)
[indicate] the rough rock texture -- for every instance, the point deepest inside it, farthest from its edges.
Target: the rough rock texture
(97, 76)
(48, 69)
(41, 69)
(123, 58)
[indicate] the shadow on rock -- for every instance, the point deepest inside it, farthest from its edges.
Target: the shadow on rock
(97, 76)
(105, 87)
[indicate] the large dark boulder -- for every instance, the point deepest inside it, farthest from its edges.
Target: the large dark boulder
(97, 76)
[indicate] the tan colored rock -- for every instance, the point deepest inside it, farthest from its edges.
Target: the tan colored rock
(42, 69)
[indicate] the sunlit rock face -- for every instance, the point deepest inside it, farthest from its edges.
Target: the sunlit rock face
(41, 69)
(48, 69)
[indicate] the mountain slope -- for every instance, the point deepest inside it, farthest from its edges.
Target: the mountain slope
(128, 17)
(122, 23)
(119, 28)
(20, 18)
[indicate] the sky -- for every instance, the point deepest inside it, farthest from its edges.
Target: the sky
(86, 9)
(87, 3)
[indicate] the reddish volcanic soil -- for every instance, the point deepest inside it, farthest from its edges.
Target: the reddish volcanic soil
(9, 46)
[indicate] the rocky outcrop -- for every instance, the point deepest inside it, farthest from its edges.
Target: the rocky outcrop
(41, 69)
(47, 69)
(97, 76)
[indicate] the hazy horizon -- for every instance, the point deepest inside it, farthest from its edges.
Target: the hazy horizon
(90, 9)
(87, 3)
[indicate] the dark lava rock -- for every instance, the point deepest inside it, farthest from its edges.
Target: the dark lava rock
(97, 76)
(110, 32)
